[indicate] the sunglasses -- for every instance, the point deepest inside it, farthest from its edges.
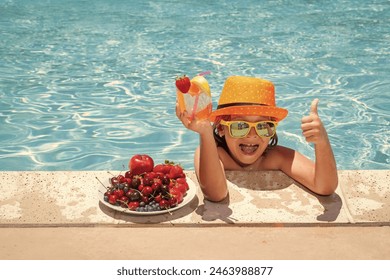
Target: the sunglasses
(240, 129)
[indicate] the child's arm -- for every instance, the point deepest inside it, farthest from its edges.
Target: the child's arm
(208, 167)
(325, 172)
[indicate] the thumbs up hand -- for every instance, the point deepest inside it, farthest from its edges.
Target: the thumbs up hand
(313, 107)
(312, 128)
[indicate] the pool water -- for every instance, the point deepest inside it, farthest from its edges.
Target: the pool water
(84, 85)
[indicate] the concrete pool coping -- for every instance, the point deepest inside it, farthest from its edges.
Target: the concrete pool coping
(265, 208)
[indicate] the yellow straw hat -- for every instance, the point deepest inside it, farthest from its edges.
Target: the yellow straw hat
(248, 96)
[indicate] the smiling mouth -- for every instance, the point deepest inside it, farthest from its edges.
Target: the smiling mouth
(248, 149)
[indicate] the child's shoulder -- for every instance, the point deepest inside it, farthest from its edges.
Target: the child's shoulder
(277, 156)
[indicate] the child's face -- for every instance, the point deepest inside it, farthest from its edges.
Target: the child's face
(250, 148)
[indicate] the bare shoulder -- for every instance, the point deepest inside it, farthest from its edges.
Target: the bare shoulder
(278, 157)
(281, 152)
(286, 159)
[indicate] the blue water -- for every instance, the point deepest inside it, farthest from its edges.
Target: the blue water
(84, 85)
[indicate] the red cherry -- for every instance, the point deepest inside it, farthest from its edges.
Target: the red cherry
(164, 189)
(146, 191)
(128, 180)
(123, 201)
(164, 204)
(165, 180)
(119, 193)
(133, 205)
(135, 182)
(129, 192)
(112, 199)
(173, 202)
(128, 174)
(150, 175)
(156, 186)
(144, 199)
(147, 181)
(158, 198)
(121, 178)
(114, 181)
(133, 195)
(176, 193)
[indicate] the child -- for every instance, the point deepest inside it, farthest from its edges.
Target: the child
(243, 137)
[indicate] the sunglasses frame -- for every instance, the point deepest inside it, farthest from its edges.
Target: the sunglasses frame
(251, 124)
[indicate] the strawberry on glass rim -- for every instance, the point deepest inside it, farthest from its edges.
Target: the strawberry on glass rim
(194, 96)
(183, 83)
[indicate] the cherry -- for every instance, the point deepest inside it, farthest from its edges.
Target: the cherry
(144, 199)
(164, 204)
(114, 181)
(150, 175)
(146, 191)
(176, 193)
(164, 189)
(119, 192)
(133, 195)
(127, 181)
(135, 182)
(165, 180)
(133, 205)
(158, 198)
(147, 181)
(172, 202)
(121, 178)
(156, 186)
(112, 199)
(123, 201)
(128, 174)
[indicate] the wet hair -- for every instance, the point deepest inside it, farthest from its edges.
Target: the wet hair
(221, 141)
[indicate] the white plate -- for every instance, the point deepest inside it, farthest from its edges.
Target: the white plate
(187, 199)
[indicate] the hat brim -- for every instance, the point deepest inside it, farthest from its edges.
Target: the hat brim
(274, 112)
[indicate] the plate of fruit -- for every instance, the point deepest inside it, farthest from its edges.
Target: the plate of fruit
(148, 189)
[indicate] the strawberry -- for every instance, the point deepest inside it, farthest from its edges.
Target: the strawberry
(176, 172)
(183, 83)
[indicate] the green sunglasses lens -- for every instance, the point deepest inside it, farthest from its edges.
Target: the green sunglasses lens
(266, 129)
(239, 129)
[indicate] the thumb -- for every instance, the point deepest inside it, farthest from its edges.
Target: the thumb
(313, 107)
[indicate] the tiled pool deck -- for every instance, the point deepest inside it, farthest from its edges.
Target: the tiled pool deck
(57, 215)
